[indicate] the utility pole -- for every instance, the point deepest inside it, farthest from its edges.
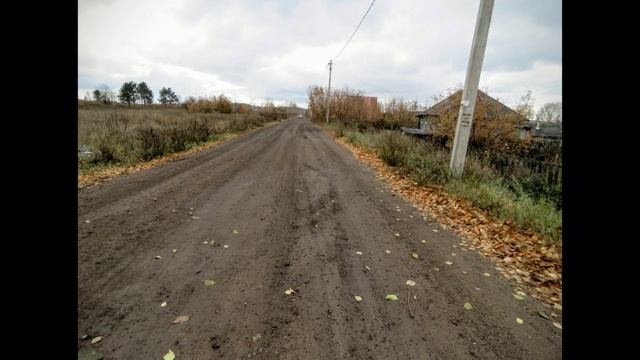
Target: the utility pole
(470, 92)
(329, 91)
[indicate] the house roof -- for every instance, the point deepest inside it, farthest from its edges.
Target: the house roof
(452, 103)
(543, 129)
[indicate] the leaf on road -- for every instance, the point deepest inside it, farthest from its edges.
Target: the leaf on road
(163, 304)
(468, 306)
(96, 339)
(158, 257)
(415, 255)
(169, 356)
(448, 262)
(358, 298)
(520, 293)
(396, 234)
(436, 269)
(359, 252)
(486, 274)
(366, 268)
(87, 221)
(174, 251)
(453, 254)
(464, 272)
(424, 241)
(256, 337)
(195, 217)
(235, 232)
(289, 291)
(391, 297)
(411, 283)
(558, 325)
(518, 297)
(225, 246)
(180, 319)
(434, 230)
(557, 306)
(387, 251)
(209, 282)
(205, 242)
(519, 321)
(543, 315)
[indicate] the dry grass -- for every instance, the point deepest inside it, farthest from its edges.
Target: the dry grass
(120, 136)
(117, 137)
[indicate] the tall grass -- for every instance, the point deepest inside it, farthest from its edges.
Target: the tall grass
(118, 136)
(512, 199)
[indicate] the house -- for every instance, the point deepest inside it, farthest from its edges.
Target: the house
(370, 102)
(540, 130)
(431, 121)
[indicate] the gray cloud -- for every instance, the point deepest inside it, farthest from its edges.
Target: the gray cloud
(253, 50)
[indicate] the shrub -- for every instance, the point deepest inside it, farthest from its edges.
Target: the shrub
(151, 143)
(394, 147)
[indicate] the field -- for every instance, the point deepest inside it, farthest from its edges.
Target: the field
(115, 135)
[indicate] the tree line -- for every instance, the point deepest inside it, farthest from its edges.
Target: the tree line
(131, 93)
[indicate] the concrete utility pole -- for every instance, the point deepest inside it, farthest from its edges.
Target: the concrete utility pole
(329, 91)
(470, 92)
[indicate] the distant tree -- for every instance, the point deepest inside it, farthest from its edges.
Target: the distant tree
(103, 94)
(144, 93)
(88, 96)
(167, 96)
(174, 98)
(222, 104)
(128, 93)
(550, 112)
(525, 106)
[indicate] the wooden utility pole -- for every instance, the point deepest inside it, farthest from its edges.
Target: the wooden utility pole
(470, 92)
(329, 90)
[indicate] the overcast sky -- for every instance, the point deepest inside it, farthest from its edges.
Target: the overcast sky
(254, 50)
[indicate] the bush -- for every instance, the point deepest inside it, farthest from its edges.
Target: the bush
(151, 143)
(198, 132)
(175, 140)
(394, 148)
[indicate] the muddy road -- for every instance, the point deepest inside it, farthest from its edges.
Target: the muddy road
(285, 207)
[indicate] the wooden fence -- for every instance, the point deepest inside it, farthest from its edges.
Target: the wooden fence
(508, 165)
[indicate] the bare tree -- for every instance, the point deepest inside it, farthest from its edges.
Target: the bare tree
(525, 106)
(550, 112)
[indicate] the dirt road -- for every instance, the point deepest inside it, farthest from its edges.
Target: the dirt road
(286, 207)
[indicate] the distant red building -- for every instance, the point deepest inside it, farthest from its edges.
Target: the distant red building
(371, 104)
(370, 101)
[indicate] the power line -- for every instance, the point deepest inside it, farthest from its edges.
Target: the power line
(354, 31)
